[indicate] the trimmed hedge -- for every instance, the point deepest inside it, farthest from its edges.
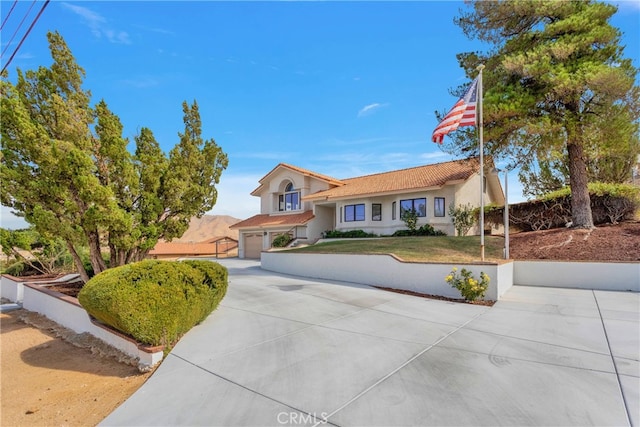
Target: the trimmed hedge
(155, 302)
(351, 234)
(424, 230)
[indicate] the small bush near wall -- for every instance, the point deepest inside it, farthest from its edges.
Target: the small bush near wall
(153, 301)
(425, 230)
(281, 240)
(351, 234)
(470, 288)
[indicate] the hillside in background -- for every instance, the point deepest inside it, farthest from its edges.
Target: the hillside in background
(207, 227)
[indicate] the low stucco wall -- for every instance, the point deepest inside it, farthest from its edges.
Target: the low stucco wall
(608, 276)
(11, 289)
(386, 271)
(66, 311)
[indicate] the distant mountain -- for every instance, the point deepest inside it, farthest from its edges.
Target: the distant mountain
(207, 227)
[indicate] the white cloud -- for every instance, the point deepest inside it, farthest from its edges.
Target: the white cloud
(98, 24)
(370, 109)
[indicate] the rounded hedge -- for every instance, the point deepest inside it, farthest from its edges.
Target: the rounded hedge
(153, 301)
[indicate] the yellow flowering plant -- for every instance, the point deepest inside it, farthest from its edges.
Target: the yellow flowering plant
(470, 288)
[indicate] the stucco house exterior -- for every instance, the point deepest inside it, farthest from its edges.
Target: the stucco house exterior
(305, 204)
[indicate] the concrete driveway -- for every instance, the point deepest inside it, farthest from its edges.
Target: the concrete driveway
(288, 351)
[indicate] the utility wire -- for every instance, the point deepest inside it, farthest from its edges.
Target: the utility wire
(25, 36)
(18, 29)
(8, 14)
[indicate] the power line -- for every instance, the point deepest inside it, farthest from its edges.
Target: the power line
(8, 14)
(18, 28)
(25, 36)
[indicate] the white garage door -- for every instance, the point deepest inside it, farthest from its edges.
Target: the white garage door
(252, 245)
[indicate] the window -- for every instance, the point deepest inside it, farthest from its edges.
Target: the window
(290, 200)
(376, 212)
(438, 206)
(393, 210)
(354, 213)
(417, 205)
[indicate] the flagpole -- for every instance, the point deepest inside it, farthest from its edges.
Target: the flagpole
(482, 185)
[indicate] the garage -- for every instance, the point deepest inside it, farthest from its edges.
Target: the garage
(252, 245)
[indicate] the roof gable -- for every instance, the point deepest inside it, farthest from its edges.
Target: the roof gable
(305, 172)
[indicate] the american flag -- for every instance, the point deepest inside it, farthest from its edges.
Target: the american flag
(462, 114)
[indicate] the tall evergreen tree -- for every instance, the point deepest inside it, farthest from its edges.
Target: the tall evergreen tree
(65, 168)
(553, 79)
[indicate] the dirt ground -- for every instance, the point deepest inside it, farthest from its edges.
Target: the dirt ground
(45, 380)
(620, 242)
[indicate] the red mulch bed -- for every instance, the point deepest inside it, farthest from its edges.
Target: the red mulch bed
(607, 242)
(438, 297)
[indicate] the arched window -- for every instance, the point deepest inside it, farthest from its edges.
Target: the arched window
(290, 199)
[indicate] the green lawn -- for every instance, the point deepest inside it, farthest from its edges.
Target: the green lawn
(429, 249)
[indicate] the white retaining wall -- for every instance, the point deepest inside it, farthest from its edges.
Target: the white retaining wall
(11, 289)
(387, 271)
(608, 276)
(66, 311)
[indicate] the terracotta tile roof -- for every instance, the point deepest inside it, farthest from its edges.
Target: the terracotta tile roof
(170, 248)
(429, 176)
(267, 221)
(304, 172)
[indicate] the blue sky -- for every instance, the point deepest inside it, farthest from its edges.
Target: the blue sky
(341, 88)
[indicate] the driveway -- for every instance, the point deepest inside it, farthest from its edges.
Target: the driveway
(288, 351)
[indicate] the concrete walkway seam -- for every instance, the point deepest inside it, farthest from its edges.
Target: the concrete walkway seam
(613, 359)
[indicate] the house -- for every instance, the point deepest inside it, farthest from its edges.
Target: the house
(218, 247)
(304, 204)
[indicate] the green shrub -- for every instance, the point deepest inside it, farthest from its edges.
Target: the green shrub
(410, 219)
(351, 234)
(424, 230)
(153, 301)
(463, 218)
(16, 269)
(470, 288)
(281, 241)
(216, 277)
